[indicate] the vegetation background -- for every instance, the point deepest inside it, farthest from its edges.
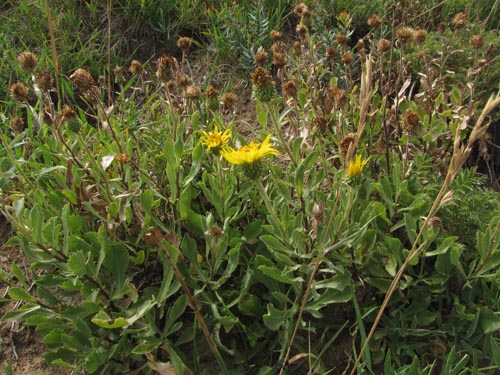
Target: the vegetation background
(237, 187)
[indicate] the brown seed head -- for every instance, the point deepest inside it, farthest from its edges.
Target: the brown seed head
(374, 21)
(211, 92)
(27, 60)
(122, 158)
(16, 124)
(441, 27)
(67, 112)
(228, 99)
(404, 33)
(261, 58)
(278, 47)
(44, 81)
(166, 65)
(302, 29)
(19, 92)
(410, 121)
(341, 39)
(183, 80)
(184, 43)
(384, 45)
(337, 94)
(476, 41)
(306, 13)
(82, 79)
(459, 21)
(299, 9)
(290, 89)
(360, 44)
(92, 95)
(347, 58)
(296, 48)
(345, 143)
(261, 77)
(279, 60)
(330, 52)
(193, 92)
(276, 35)
(420, 36)
(435, 222)
(320, 122)
(136, 68)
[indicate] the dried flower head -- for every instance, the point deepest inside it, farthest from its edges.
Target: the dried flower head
(299, 9)
(261, 76)
(345, 143)
(166, 65)
(441, 27)
(16, 124)
(276, 35)
(360, 44)
(122, 158)
(193, 92)
(136, 68)
(92, 95)
(184, 43)
(330, 52)
(384, 45)
(279, 60)
(211, 92)
(459, 21)
(229, 100)
(19, 92)
(435, 222)
(67, 112)
(82, 79)
(374, 21)
(118, 73)
(183, 81)
(410, 121)
(28, 61)
(420, 36)
(261, 57)
(44, 81)
(263, 88)
(347, 58)
(302, 30)
(297, 48)
(306, 14)
(404, 33)
(341, 39)
(339, 95)
(278, 47)
(320, 122)
(289, 89)
(476, 41)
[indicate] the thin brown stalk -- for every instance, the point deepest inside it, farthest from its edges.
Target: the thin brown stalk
(459, 157)
(55, 58)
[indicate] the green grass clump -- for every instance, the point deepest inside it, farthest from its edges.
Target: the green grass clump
(345, 227)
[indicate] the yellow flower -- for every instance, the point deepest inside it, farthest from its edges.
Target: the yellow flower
(216, 139)
(250, 153)
(356, 167)
(249, 156)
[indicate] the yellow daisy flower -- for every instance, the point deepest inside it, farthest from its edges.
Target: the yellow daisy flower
(249, 156)
(215, 139)
(356, 167)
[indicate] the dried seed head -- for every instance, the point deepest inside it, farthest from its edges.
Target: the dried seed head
(306, 13)
(459, 20)
(67, 112)
(374, 21)
(122, 158)
(118, 74)
(320, 122)
(44, 81)
(136, 68)
(441, 27)
(476, 41)
(82, 79)
(28, 61)
(276, 35)
(296, 48)
(261, 77)
(19, 92)
(16, 124)
(289, 89)
(261, 58)
(211, 92)
(302, 30)
(341, 39)
(165, 67)
(435, 222)
(278, 47)
(384, 45)
(183, 81)
(338, 95)
(347, 58)
(193, 92)
(300, 8)
(317, 212)
(92, 95)
(410, 121)
(360, 44)
(184, 43)
(102, 81)
(330, 52)
(420, 36)
(279, 60)
(229, 99)
(404, 33)
(345, 143)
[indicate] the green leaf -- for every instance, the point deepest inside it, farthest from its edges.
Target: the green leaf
(278, 275)
(20, 294)
(116, 260)
(495, 351)
(253, 229)
(18, 273)
(274, 245)
(488, 320)
(195, 165)
(77, 264)
(275, 318)
(103, 320)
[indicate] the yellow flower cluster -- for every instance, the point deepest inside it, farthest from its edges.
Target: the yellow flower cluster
(355, 167)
